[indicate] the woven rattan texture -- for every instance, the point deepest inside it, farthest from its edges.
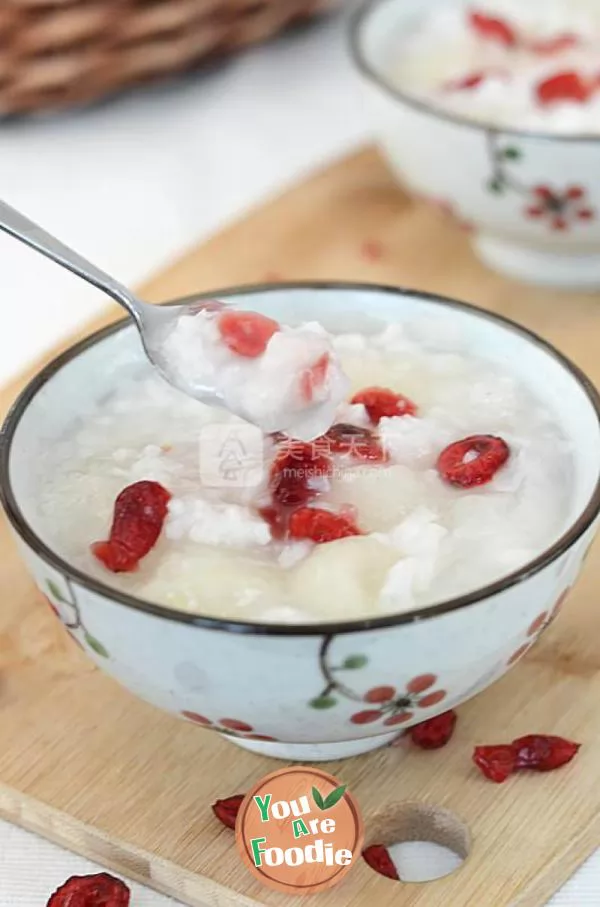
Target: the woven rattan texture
(72, 52)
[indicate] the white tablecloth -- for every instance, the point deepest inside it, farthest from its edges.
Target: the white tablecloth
(132, 183)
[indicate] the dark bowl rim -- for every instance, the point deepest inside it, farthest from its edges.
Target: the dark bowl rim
(22, 528)
(358, 19)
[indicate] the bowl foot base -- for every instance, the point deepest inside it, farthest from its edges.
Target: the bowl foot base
(314, 752)
(545, 267)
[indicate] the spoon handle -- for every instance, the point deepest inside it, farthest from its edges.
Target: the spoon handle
(23, 229)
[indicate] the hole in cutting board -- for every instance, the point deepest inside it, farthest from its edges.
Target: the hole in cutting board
(423, 861)
(424, 842)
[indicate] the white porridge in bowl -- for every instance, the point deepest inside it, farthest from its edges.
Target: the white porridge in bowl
(530, 66)
(440, 474)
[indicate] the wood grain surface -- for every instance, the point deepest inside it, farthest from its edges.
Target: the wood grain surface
(87, 765)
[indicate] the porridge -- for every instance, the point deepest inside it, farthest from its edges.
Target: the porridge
(530, 66)
(437, 474)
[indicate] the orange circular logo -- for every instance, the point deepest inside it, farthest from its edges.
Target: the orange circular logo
(299, 830)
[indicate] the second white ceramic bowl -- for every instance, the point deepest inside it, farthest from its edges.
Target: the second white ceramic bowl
(531, 200)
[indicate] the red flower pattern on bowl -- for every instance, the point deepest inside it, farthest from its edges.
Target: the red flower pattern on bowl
(560, 209)
(538, 626)
(396, 708)
(231, 727)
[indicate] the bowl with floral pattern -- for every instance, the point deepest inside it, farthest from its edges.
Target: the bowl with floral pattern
(530, 199)
(320, 690)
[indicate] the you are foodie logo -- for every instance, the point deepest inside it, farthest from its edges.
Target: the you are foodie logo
(299, 830)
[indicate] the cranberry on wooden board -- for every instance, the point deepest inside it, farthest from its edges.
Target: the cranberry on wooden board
(378, 858)
(535, 752)
(543, 753)
(99, 890)
(372, 250)
(435, 732)
(139, 513)
(496, 762)
(226, 810)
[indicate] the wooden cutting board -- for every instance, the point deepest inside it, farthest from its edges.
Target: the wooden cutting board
(84, 763)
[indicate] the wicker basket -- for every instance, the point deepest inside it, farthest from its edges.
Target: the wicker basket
(57, 53)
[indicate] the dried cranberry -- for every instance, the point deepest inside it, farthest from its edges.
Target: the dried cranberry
(377, 856)
(472, 461)
(226, 810)
(277, 519)
(564, 86)
(493, 29)
(99, 890)
(435, 732)
(496, 762)
(297, 473)
(550, 46)
(537, 752)
(360, 443)
(381, 402)
(246, 333)
(321, 526)
(473, 80)
(543, 753)
(314, 377)
(372, 250)
(139, 514)
(466, 83)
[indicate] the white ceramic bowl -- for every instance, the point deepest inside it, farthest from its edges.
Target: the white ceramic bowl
(489, 178)
(316, 691)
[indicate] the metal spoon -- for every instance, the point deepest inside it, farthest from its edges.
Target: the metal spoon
(153, 321)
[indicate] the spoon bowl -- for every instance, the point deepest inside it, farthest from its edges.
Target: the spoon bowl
(154, 323)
